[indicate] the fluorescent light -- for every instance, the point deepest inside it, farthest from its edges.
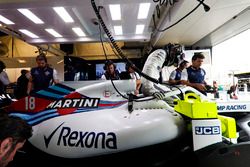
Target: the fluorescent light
(21, 61)
(53, 32)
(61, 61)
(118, 30)
(139, 28)
(5, 20)
(115, 11)
(79, 32)
(28, 33)
(143, 10)
(61, 11)
(31, 16)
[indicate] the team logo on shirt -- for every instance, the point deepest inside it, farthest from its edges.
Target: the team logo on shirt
(47, 73)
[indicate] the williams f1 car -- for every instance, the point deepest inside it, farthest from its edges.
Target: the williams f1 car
(80, 120)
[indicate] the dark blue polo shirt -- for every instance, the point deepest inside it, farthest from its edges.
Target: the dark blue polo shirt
(177, 75)
(196, 75)
(41, 78)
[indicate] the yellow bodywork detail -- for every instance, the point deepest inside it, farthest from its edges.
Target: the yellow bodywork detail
(228, 126)
(193, 107)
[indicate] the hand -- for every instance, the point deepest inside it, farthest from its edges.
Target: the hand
(136, 92)
(200, 87)
(183, 82)
(159, 95)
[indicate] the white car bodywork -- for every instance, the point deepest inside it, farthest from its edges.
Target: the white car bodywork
(103, 129)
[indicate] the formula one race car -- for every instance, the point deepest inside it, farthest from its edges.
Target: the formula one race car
(81, 120)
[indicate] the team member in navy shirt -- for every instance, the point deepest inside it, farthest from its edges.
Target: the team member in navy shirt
(196, 74)
(179, 75)
(42, 76)
(110, 71)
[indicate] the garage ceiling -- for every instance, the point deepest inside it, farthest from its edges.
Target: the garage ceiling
(188, 32)
(83, 17)
(200, 24)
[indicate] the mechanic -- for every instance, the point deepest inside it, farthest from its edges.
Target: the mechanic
(42, 76)
(179, 75)
(196, 74)
(110, 71)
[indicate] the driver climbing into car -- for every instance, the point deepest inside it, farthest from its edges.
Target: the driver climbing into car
(168, 55)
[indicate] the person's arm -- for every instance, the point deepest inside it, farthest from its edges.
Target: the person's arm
(165, 74)
(29, 86)
(184, 77)
(4, 78)
(152, 68)
(204, 82)
(138, 83)
(198, 86)
(172, 80)
(55, 77)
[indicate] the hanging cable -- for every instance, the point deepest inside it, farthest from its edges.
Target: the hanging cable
(206, 7)
(119, 51)
(201, 2)
(106, 57)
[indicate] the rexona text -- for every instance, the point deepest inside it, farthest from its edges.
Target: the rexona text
(71, 138)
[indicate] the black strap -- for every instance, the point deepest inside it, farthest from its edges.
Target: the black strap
(160, 78)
